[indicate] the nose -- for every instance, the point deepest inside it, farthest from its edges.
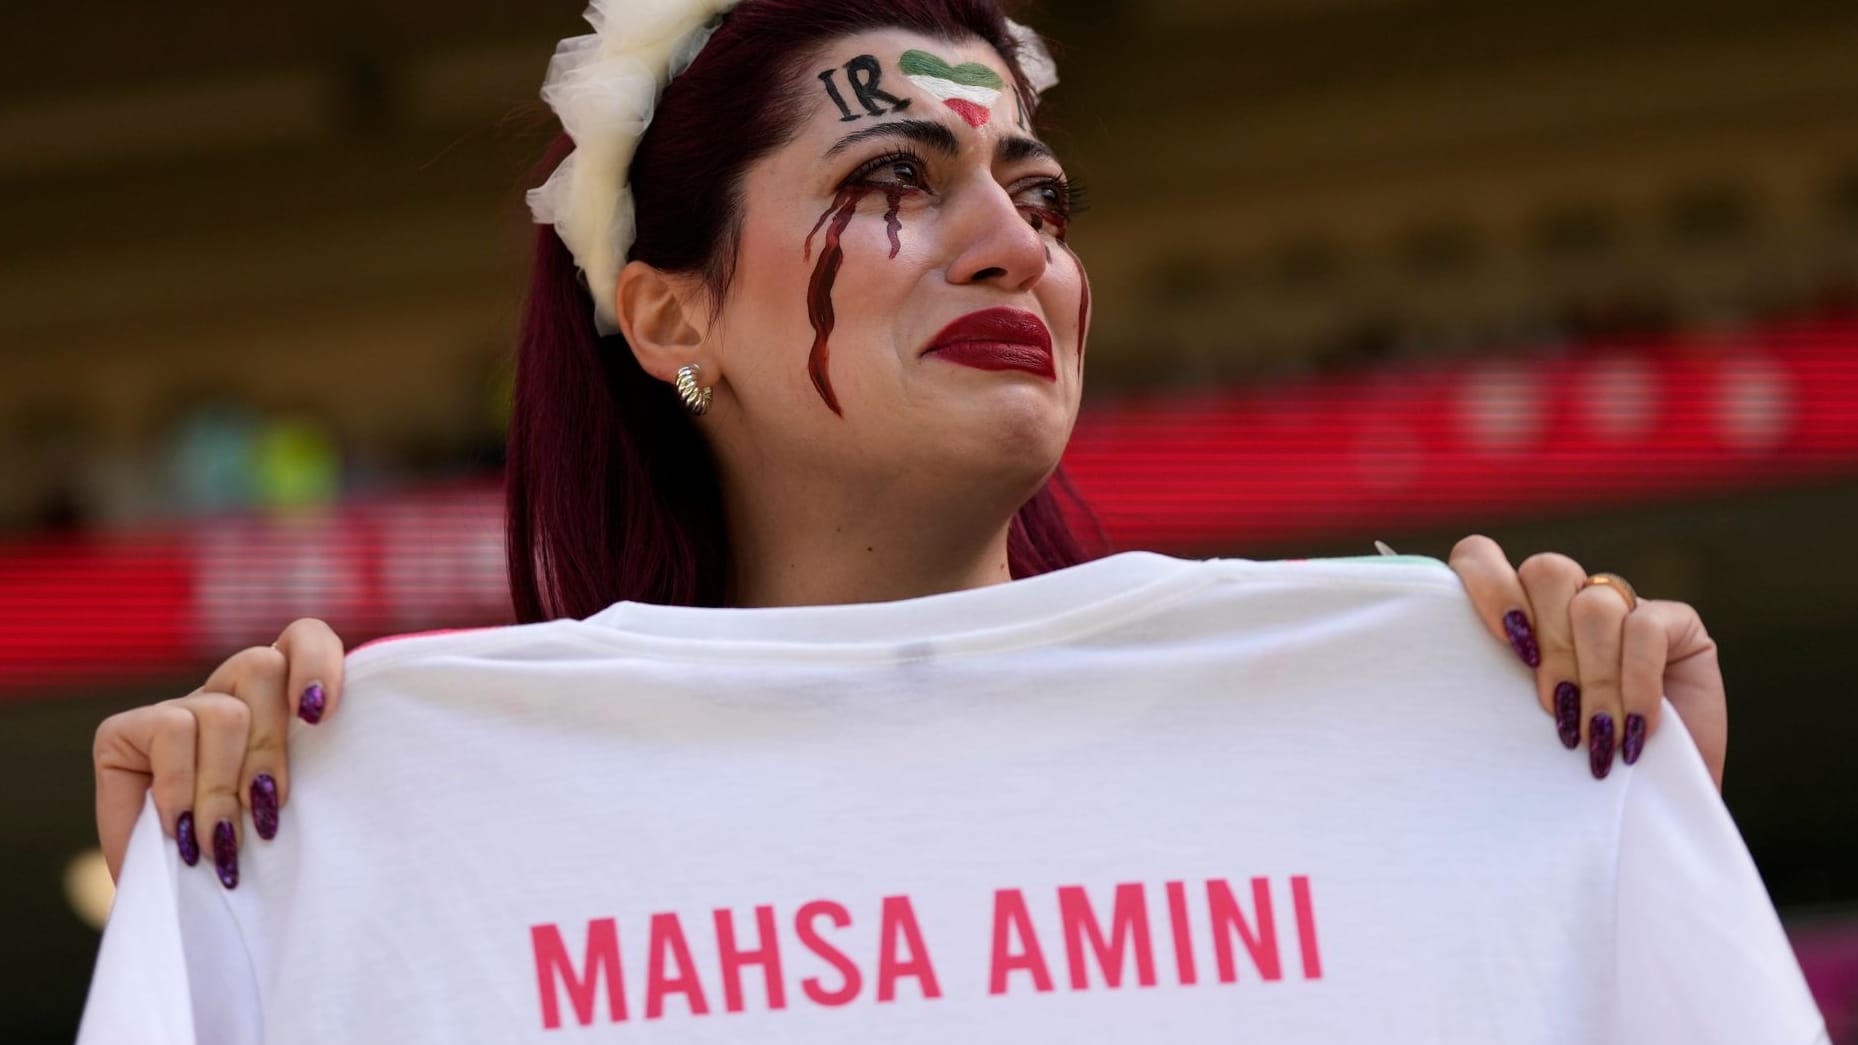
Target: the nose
(996, 244)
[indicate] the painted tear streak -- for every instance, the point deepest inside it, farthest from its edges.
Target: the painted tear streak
(819, 290)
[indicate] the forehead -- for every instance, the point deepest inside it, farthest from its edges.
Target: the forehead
(892, 44)
(896, 74)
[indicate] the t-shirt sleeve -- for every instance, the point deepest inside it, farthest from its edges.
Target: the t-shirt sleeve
(1702, 956)
(171, 969)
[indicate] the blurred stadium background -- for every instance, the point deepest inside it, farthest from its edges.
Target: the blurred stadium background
(1582, 276)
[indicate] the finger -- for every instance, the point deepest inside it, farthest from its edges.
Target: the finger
(1551, 579)
(1641, 672)
(1665, 641)
(1497, 594)
(221, 722)
(314, 684)
(150, 747)
(256, 676)
(1598, 617)
(1693, 682)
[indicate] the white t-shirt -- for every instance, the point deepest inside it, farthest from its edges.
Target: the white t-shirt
(1145, 799)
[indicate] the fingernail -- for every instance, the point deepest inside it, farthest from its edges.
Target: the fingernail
(1600, 744)
(184, 839)
(1635, 738)
(264, 806)
(1568, 714)
(225, 855)
(1522, 639)
(310, 708)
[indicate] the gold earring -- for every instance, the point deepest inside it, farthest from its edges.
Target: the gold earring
(696, 400)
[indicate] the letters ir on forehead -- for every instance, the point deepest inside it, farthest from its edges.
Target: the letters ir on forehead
(971, 90)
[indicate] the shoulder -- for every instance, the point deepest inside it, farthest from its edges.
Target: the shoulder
(1419, 573)
(1383, 597)
(414, 650)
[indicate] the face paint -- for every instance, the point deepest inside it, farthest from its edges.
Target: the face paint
(825, 274)
(1040, 219)
(970, 89)
(864, 74)
(832, 91)
(819, 291)
(893, 197)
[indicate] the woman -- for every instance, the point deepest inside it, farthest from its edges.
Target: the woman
(839, 363)
(820, 722)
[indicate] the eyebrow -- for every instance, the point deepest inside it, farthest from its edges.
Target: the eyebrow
(938, 137)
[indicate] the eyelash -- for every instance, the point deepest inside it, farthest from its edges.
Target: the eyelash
(889, 159)
(1072, 199)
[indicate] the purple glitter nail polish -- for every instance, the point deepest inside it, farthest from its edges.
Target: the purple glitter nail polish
(185, 841)
(1634, 744)
(1522, 638)
(1568, 714)
(310, 708)
(1600, 744)
(225, 855)
(264, 806)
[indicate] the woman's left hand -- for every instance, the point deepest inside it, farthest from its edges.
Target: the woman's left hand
(1599, 664)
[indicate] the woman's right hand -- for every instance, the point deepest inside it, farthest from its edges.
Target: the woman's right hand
(217, 753)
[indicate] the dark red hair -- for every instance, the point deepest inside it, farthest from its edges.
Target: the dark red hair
(612, 492)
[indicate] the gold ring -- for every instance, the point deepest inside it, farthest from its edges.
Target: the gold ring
(1615, 582)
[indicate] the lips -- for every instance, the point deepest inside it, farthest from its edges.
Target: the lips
(997, 339)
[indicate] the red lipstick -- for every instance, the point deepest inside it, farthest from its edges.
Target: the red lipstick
(997, 339)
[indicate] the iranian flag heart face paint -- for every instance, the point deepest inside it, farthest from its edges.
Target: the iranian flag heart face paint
(970, 89)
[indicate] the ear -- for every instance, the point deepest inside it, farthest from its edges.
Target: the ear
(662, 318)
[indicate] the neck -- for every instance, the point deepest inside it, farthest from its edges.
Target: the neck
(837, 554)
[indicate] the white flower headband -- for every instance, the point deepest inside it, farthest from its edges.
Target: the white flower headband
(604, 87)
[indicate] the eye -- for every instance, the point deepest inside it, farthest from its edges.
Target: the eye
(1047, 204)
(899, 169)
(1049, 195)
(1046, 196)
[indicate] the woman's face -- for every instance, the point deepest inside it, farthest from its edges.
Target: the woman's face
(913, 195)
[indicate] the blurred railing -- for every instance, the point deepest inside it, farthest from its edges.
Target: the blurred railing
(1397, 449)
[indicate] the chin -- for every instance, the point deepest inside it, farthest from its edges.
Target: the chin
(1034, 432)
